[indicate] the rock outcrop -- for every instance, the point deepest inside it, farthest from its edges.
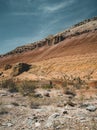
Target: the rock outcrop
(83, 27)
(20, 68)
(1, 73)
(7, 66)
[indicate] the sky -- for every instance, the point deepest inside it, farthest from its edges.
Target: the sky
(27, 21)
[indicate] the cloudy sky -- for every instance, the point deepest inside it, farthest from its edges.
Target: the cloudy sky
(25, 21)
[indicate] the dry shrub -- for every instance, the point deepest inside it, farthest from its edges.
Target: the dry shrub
(24, 87)
(76, 82)
(15, 103)
(48, 85)
(9, 84)
(45, 101)
(7, 66)
(27, 88)
(3, 110)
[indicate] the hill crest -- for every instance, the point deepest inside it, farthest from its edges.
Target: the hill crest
(83, 27)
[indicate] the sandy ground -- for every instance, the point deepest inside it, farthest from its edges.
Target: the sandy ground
(52, 113)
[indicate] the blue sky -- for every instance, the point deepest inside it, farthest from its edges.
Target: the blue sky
(26, 21)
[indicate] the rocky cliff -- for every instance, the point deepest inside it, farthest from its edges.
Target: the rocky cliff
(86, 26)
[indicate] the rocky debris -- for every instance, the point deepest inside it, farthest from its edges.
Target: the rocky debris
(53, 116)
(68, 92)
(70, 103)
(48, 117)
(70, 97)
(85, 21)
(7, 66)
(3, 110)
(65, 112)
(1, 73)
(37, 124)
(34, 106)
(93, 84)
(38, 95)
(9, 124)
(60, 104)
(20, 68)
(3, 94)
(51, 119)
(84, 105)
(91, 108)
(15, 104)
(31, 120)
(65, 103)
(88, 107)
(46, 94)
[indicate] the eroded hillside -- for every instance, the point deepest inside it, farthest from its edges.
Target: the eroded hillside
(74, 52)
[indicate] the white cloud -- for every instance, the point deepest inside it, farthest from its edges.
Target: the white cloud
(56, 7)
(24, 13)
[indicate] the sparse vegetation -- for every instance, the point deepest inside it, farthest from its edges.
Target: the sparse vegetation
(9, 84)
(71, 84)
(81, 98)
(15, 103)
(93, 124)
(24, 87)
(34, 105)
(7, 66)
(76, 82)
(70, 92)
(3, 110)
(48, 86)
(1, 103)
(27, 88)
(41, 101)
(65, 84)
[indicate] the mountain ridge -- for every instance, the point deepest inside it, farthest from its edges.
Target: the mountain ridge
(73, 31)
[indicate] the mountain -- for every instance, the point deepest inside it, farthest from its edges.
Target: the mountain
(86, 26)
(73, 50)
